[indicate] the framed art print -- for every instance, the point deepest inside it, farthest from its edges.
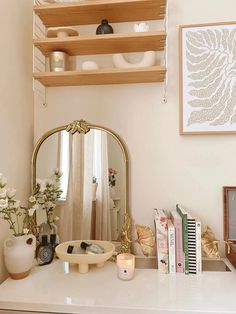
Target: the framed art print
(208, 78)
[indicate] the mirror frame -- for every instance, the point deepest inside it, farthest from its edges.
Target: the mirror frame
(81, 126)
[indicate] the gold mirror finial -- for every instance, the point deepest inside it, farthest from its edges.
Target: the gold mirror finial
(80, 126)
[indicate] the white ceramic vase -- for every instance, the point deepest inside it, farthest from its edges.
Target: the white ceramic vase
(19, 253)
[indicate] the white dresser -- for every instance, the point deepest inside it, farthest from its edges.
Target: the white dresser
(52, 289)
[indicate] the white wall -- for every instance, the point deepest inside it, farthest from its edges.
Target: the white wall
(165, 168)
(16, 101)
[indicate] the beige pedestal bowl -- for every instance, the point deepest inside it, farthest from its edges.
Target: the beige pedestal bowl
(84, 260)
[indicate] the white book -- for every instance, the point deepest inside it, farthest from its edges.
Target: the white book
(198, 246)
(171, 247)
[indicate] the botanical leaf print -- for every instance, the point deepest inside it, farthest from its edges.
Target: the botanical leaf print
(210, 77)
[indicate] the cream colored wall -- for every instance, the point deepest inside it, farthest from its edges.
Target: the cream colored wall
(165, 168)
(16, 101)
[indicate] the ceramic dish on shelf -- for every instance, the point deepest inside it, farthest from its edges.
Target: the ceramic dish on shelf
(84, 260)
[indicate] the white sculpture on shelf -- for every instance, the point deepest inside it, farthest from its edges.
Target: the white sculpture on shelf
(148, 59)
(89, 65)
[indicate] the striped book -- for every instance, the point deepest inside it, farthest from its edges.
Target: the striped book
(194, 243)
(160, 221)
(179, 254)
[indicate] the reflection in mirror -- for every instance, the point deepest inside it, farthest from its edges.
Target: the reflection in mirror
(92, 205)
(232, 214)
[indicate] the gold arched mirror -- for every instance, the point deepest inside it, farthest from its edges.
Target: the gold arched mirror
(94, 201)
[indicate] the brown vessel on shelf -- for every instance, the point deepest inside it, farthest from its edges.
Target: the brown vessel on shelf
(229, 193)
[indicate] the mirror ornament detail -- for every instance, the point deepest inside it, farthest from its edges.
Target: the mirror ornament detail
(80, 126)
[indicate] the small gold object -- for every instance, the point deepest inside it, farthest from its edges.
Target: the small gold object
(210, 244)
(228, 246)
(79, 126)
(126, 235)
(146, 239)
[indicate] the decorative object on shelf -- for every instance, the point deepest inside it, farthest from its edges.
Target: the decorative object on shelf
(84, 260)
(104, 28)
(89, 65)
(59, 61)
(148, 59)
(141, 27)
(144, 243)
(125, 266)
(19, 255)
(61, 32)
(207, 78)
(210, 243)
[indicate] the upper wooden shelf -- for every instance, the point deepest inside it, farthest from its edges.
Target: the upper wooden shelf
(93, 11)
(103, 44)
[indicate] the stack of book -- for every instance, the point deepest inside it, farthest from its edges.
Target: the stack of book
(178, 239)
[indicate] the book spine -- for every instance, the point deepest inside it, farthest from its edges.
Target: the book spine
(171, 247)
(162, 244)
(192, 258)
(179, 254)
(198, 247)
(185, 238)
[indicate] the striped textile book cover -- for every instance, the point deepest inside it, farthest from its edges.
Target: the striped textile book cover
(194, 243)
(160, 221)
(179, 254)
(171, 247)
(184, 215)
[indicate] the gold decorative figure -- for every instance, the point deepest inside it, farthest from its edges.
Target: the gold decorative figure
(210, 244)
(126, 235)
(146, 239)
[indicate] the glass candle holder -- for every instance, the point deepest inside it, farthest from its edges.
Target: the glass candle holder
(125, 266)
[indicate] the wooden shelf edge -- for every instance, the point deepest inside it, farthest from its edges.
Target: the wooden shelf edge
(103, 44)
(91, 12)
(102, 77)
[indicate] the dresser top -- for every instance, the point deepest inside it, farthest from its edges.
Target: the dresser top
(53, 288)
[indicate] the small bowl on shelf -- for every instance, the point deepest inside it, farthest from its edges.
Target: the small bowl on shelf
(84, 260)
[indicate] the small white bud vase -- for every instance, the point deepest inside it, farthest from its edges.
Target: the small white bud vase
(125, 266)
(19, 253)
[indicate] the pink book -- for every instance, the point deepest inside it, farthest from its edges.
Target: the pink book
(179, 254)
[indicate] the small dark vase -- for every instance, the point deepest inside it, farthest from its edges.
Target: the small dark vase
(104, 28)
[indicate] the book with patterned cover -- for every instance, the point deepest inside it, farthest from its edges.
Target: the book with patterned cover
(171, 247)
(160, 221)
(179, 254)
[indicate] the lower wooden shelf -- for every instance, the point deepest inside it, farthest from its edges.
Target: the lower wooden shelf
(102, 76)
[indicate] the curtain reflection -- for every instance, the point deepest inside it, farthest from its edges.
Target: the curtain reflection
(81, 216)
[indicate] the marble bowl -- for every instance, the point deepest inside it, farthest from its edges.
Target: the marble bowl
(84, 260)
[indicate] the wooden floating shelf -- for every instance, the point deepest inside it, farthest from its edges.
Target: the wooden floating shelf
(93, 11)
(102, 76)
(103, 44)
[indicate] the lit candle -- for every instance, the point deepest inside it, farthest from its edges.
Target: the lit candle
(125, 266)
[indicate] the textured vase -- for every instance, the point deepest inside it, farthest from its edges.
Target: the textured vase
(19, 253)
(104, 28)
